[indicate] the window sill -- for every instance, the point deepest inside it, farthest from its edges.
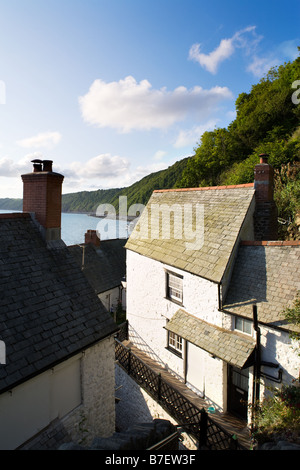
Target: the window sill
(173, 351)
(177, 302)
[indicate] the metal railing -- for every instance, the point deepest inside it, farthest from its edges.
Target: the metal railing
(197, 422)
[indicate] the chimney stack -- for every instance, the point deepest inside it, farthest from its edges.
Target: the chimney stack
(42, 191)
(265, 216)
(92, 237)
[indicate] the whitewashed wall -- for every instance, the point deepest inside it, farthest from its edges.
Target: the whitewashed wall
(148, 311)
(277, 347)
(111, 297)
(96, 415)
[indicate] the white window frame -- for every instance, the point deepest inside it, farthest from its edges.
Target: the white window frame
(174, 287)
(244, 322)
(175, 343)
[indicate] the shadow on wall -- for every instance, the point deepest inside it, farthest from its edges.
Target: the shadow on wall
(272, 371)
(131, 406)
(141, 344)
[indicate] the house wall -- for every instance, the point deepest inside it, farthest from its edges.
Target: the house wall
(110, 298)
(277, 347)
(78, 393)
(148, 310)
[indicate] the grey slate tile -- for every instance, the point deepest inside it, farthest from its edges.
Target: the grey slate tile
(268, 276)
(45, 302)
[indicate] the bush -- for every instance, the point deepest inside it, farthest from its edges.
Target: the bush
(278, 416)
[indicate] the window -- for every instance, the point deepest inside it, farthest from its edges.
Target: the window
(241, 324)
(174, 287)
(175, 343)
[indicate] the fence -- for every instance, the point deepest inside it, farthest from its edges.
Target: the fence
(196, 422)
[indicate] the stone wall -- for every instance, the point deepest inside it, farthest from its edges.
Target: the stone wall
(96, 415)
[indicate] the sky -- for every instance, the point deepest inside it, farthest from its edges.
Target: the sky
(112, 90)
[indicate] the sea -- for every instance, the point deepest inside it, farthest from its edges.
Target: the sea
(74, 226)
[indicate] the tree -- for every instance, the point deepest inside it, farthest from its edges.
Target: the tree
(265, 122)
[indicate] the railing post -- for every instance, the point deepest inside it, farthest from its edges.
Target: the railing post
(159, 387)
(203, 428)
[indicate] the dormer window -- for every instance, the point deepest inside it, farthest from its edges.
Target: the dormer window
(174, 287)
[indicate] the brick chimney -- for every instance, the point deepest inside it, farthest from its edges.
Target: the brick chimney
(265, 215)
(42, 191)
(92, 237)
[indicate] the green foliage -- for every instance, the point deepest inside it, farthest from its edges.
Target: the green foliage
(278, 416)
(292, 315)
(287, 198)
(266, 122)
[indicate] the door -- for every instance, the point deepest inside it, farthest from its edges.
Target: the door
(238, 381)
(195, 376)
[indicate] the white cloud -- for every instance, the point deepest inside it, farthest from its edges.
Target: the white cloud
(44, 139)
(128, 105)
(191, 136)
(101, 167)
(287, 50)
(261, 65)
(225, 49)
(9, 168)
(159, 155)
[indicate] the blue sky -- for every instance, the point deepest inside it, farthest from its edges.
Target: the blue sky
(112, 90)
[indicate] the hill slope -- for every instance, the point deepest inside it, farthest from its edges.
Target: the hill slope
(137, 193)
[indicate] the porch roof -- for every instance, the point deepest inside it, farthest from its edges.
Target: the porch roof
(230, 346)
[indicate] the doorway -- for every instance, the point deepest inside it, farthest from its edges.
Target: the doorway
(238, 382)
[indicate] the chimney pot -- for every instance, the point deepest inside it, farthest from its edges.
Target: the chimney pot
(91, 236)
(264, 158)
(37, 165)
(47, 165)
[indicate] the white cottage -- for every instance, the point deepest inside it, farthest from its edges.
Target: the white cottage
(198, 262)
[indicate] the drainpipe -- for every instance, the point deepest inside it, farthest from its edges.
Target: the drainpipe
(185, 360)
(257, 363)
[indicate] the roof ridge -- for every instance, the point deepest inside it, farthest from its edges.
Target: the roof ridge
(246, 185)
(15, 215)
(271, 243)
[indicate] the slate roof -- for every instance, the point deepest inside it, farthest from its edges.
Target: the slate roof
(266, 274)
(104, 266)
(225, 209)
(48, 310)
(229, 346)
